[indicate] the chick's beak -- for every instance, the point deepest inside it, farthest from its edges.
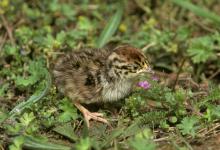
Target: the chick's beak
(146, 69)
(149, 70)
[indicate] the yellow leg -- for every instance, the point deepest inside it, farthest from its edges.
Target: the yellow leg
(90, 115)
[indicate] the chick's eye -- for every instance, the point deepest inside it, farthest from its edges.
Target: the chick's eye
(135, 67)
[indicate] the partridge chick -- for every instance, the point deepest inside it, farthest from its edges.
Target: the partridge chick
(95, 75)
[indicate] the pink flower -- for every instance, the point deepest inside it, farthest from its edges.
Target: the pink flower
(144, 84)
(155, 78)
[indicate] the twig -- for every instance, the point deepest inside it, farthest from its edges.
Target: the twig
(78, 126)
(8, 29)
(203, 26)
(199, 93)
(162, 139)
(212, 129)
(182, 139)
(214, 74)
(193, 110)
(148, 46)
(194, 83)
(178, 73)
(2, 42)
(145, 8)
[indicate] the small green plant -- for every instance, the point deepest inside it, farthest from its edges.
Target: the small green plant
(17, 143)
(69, 112)
(189, 125)
(84, 144)
(36, 72)
(204, 48)
(142, 141)
(25, 124)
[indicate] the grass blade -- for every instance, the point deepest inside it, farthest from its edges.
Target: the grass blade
(111, 27)
(32, 143)
(33, 99)
(109, 138)
(67, 131)
(205, 13)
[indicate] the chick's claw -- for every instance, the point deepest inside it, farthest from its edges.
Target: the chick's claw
(90, 115)
(94, 116)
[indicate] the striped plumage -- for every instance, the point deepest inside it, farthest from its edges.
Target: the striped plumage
(99, 75)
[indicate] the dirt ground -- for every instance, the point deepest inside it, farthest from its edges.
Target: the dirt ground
(212, 143)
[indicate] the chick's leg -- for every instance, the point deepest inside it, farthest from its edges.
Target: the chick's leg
(90, 115)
